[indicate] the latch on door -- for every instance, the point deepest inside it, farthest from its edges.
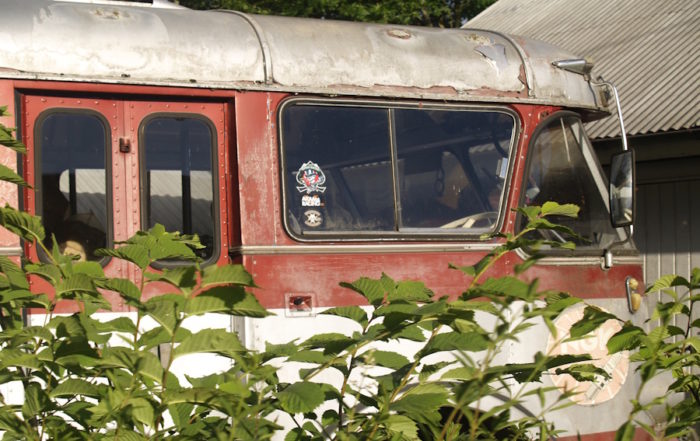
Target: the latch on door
(124, 145)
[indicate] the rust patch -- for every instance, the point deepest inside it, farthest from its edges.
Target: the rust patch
(385, 89)
(399, 33)
(522, 76)
(487, 91)
(478, 39)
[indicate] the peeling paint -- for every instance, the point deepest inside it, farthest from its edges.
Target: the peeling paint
(495, 53)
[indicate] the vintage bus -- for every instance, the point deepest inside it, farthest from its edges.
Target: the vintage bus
(310, 151)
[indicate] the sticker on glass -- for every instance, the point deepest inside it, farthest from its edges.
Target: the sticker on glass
(312, 218)
(310, 178)
(311, 201)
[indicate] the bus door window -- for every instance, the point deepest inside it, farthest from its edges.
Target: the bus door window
(562, 169)
(72, 180)
(177, 176)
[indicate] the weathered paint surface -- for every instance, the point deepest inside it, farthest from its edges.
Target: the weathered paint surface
(231, 50)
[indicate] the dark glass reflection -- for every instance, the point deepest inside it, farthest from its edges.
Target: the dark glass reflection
(73, 182)
(348, 150)
(179, 193)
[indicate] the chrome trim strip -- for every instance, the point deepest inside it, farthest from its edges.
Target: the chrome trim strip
(11, 251)
(581, 260)
(358, 249)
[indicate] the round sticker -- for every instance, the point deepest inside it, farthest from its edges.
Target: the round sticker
(312, 218)
(588, 393)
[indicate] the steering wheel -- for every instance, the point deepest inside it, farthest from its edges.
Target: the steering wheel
(486, 219)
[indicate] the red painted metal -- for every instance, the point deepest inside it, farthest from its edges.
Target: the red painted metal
(639, 435)
(250, 192)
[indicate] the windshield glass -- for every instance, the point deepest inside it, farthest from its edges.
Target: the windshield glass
(562, 168)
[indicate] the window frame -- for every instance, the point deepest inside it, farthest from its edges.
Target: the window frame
(38, 184)
(216, 249)
(597, 175)
(430, 234)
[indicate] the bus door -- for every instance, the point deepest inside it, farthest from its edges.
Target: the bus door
(104, 168)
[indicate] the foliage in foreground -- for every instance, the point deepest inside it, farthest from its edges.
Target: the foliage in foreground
(85, 378)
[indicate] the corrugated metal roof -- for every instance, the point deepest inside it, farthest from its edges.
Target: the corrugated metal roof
(648, 48)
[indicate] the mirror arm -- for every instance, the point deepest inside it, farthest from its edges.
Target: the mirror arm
(619, 110)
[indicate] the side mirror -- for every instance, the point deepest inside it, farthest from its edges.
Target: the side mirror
(622, 182)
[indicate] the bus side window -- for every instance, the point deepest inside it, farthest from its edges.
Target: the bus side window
(177, 154)
(72, 196)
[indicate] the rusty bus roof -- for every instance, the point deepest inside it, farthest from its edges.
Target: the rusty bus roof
(114, 42)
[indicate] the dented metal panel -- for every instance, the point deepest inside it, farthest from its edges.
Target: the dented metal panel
(125, 44)
(116, 43)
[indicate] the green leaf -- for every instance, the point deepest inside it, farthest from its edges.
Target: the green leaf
(411, 291)
(331, 343)
(136, 254)
(530, 212)
(584, 372)
(91, 269)
(421, 400)
(46, 271)
(354, 313)
(455, 341)
(281, 350)
(142, 411)
(227, 274)
(627, 338)
(165, 310)
(36, 401)
(75, 283)
(180, 413)
(217, 341)
(464, 373)
(402, 425)
(467, 270)
(119, 324)
(306, 356)
(386, 359)
(301, 397)
(553, 208)
(231, 300)
(71, 387)
(26, 226)
(509, 287)
(183, 278)
(593, 318)
(15, 276)
(371, 289)
(126, 289)
(149, 366)
(8, 175)
(668, 281)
